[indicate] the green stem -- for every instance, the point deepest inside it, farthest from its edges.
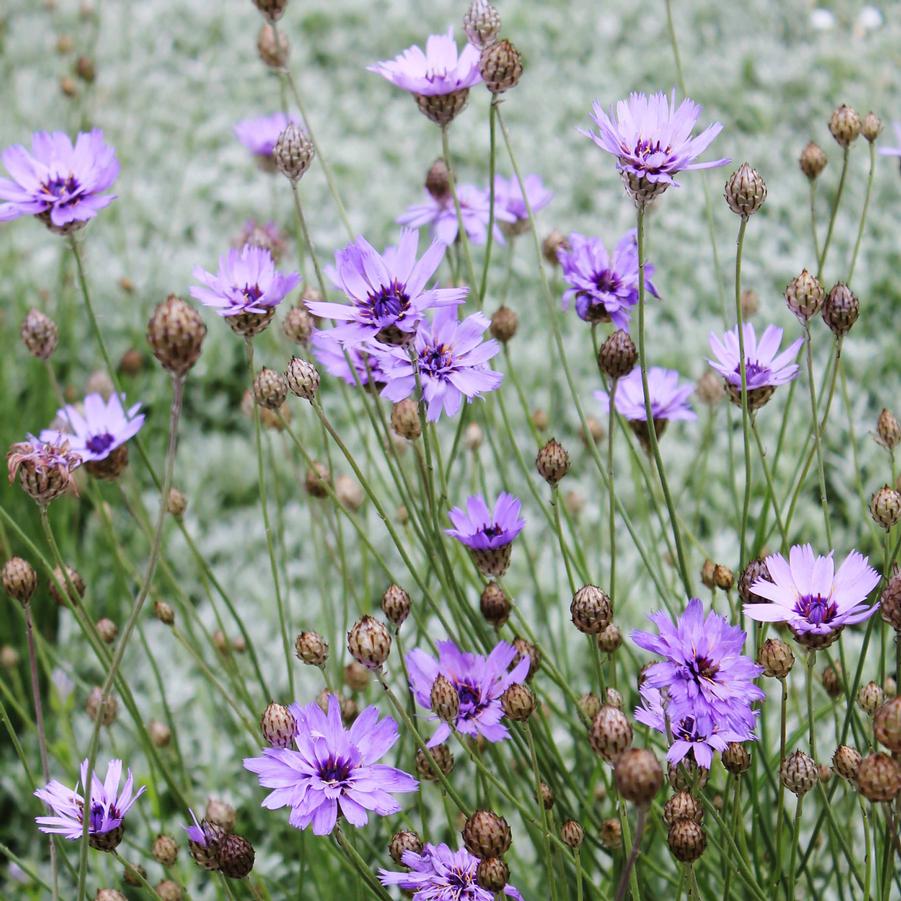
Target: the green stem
(811, 660)
(863, 213)
(783, 718)
(821, 473)
(628, 873)
(796, 837)
(821, 259)
(462, 237)
(745, 413)
(492, 160)
(813, 217)
(611, 507)
(542, 813)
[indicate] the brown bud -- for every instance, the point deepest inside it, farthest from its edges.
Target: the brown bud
(311, 648)
(638, 775)
(271, 9)
(776, 658)
(39, 334)
(492, 874)
(617, 356)
(293, 152)
(437, 180)
(745, 191)
(540, 419)
(298, 325)
(68, 87)
(486, 834)
(846, 761)
(527, 649)
(590, 705)
(160, 733)
(750, 303)
(610, 638)
(482, 22)
(552, 462)
(885, 507)
(687, 840)
(591, 610)
(841, 310)
(444, 699)
(176, 503)
(302, 378)
(165, 850)
(356, 677)
(444, 760)
(888, 430)
(164, 613)
(812, 161)
(871, 127)
(611, 834)
(19, 579)
(879, 777)
(844, 125)
(317, 480)
(833, 682)
(176, 332)
(552, 245)
(504, 323)
(109, 894)
(723, 577)
(403, 841)
(133, 874)
(887, 725)
(805, 296)
(66, 589)
(736, 758)
(610, 734)
(799, 773)
(278, 726)
(369, 642)
(396, 605)
(682, 806)
(270, 388)
(572, 834)
(169, 890)
(547, 795)
(273, 55)
(891, 601)
(501, 67)
(107, 630)
(870, 697)
(349, 492)
(707, 570)
(518, 702)
(710, 389)
(221, 813)
(97, 708)
(753, 572)
(494, 604)
(236, 856)
(687, 775)
(405, 419)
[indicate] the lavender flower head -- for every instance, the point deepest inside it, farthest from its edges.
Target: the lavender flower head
(489, 535)
(452, 359)
(247, 282)
(765, 367)
(440, 215)
(604, 288)
(366, 359)
(480, 682)
(97, 429)
(44, 468)
(331, 768)
(651, 138)
(816, 600)
(108, 807)
(703, 670)
(387, 292)
(259, 134)
(893, 151)
(60, 183)
(439, 874)
(508, 198)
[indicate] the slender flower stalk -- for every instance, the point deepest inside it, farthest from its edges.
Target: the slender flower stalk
(818, 448)
(745, 415)
(461, 230)
(492, 196)
(863, 213)
(821, 258)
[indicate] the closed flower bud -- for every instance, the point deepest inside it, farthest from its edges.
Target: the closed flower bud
(349, 492)
(131, 362)
(164, 613)
(776, 658)
(160, 733)
(682, 806)
(750, 303)
(638, 776)
(369, 642)
(273, 54)
(832, 680)
(494, 605)
(501, 67)
(885, 507)
(610, 734)
(473, 436)
(812, 161)
(169, 890)
(710, 389)
(293, 152)
(723, 577)
(527, 649)
(844, 125)
(736, 758)
(547, 795)
(273, 10)
(403, 841)
(221, 813)
(236, 856)
(39, 334)
(437, 180)
(302, 378)
(846, 761)
(482, 22)
(887, 725)
(165, 850)
(707, 570)
(107, 630)
(317, 480)
(870, 697)
(687, 840)
(871, 127)
(492, 874)
(356, 677)
(841, 310)
(591, 610)
(298, 325)
(590, 705)
(613, 698)
(396, 605)
(504, 323)
(486, 834)
(805, 296)
(879, 777)
(611, 834)
(518, 702)
(109, 894)
(444, 699)
(552, 245)
(540, 419)
(270, 388)
(19, 579)
(552, 462)
(311, 648)
(133, 875)
(98, 709)
(572, 834)
(278, 726)
(890, 608)
(618, 355)
(753, 572)
(176, 332)
(745, 191)
(888, 430)
(610, 638)
(799, 773)
(405, 419)
(176, 503)
(687, 775)
(444, 760)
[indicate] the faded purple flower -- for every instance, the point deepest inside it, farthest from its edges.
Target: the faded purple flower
(439, 874)
(603, 288)
(247, 282)
(893, 151)
(765, 367)
(331, 768)
(479, 528)
(440, 215)
(669, 398)
(96, 429)
(365, 358)
(259, 134)
(108, 807)
(452, 360)
(44, 467)
(815, 599)
(480, 682)
(387, 292)
(60, 183)
(508, 198)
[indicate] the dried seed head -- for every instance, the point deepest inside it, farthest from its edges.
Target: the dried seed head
(610, 638)
(403, 841)
(369, 642)
(870, 697)
(442, 109)
(753, 572)
(270, 388)
(723, 578)
(165, 850)
(169, 890)
(164, 613)
(618, 355)
(879, 777)
(846, 761)
(486, 834)
(107, 630)
(176, 332)
(482, 22)
(710, 389)
(176, 503)
(745, 191)
(518, 702)
(302, 378)
(799, 773)
(221, 813)
(495, 605)
(492, 874)
(311, 648)
(610, 734)
(396, 604)
(19, 579)
(638, 775)
(273, 10)
(278, 726)
(887, 725)
(273, 55)
(444, 760)
(356, 677)
(236, 856)
(444, 699)
(682, 806)
(501, 67)
(547, 795)
(405, 419)
(888, 430)
(805, 296)
(750, 303)
(39, 334)
(833, 682)
(885, 507)
(572, 834)
(611, 834)
(591, 610)
(45, 470)
(552, 462)
(551, 246)
(160, 733)
(687, 840)
(293, 152)
(504, 323)
(845, 125)
(871, 127)
(736, 758)
(841, 310)
(96, 708)
(776, 658)
(527, 649)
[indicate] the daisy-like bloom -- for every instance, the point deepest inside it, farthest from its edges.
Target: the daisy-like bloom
(669, 401)
(439, 874)
(700, 735)
(439, 79)
(816, 600)
(387, 292)
(508, 198)
(488, 534)
(651, 139)
(452, 360)
(259, 134)
(440, 215)
(366, 359)
(480, 682)
(60, 183)
(893, 151)
(331, 768)
(765, 367)
(603, 288)
(44, 467)
(108, 807)
(703, 670)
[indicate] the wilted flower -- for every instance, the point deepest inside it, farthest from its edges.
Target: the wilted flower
(440, 215)
(204, 841)
(259, 134)
(44, 467)
(98, 428)
(508, 198)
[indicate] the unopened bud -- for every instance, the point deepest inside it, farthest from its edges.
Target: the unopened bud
(273, 10)
(879, 777)
(887, 725)
(638, 776)
(492, 875)
(444, 699)
(736, 758)
(618, 355)
(572, 834)
(494, 605)
(482, 22)
(846, 761)
(311, 648)
(888, 430)
(403, 841)
(687, 840)
(799, 773)
(19, 579)
(591, 610)
(844, 125)
(176, 503)
(501, 67)
(273, 54)
(552, 462)
(369, 642)
(270, 388)
(39, 334)
(610, 734)
(164, 613)
(812, 160)
(504, 323)
(396, 604)
(552, 245)
(682, 806)
(745, 191)
(165, 850)
(871, 126)
(610, 638)
(870, 697)
(486, 834)
(841, 310)
(176, 332)
(293, 152)
(302, 378)
(443, 758)
(278, 726)
(885, 507)
(405, 419)
(518, 702)
(805, 296)
(776, 658)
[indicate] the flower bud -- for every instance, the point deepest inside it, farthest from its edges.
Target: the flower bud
(870, 697)
(169, 890)
(68, 588)
(39, 334)
(98, 709)
(750, 303)
(298, 325)
(302, 378)
(19, 579)
(236, 856)
(888, 430)
(442, 109)
(552, 245)
(109, 894)
(617, 356)
(405, 419)
(745, 191)
(107, 630)
(444, 760)
(396, 605)
(846, 761)
(805, 296)
(473, 436)
(611, 834)
(221, 813)
(311, 648)
(572, 834)
(160, 734)
(278, 726)
(736, 758)
(776, 658)
(844, 125)
(482, 22)
(687, 840)
(879, 777)
(723, 577)
(591, 610)
(293, 152)
(682, 806)
(164, 613)
(369, 642)
(403, 841)
(504, 323)
(885, 507)
(753, 572)
(176, 503)
(176, 332)
(799, 773)
(710, 389)
(486, 834)
(273, 55)
(871, 127)
(547, 796)
(270, 388)
(501, 67)
(349, 493)
(833, 683)
(841, 310)
(494, 605)
(610, 638)
(317, 480)
(527, 649)
(492, 874)
(444, 699)
(687, 775)
(518, 702)
(552, 462)
(707, 570)
(273, 10)
(887, 725)
(356, 677)
(610, 734)
(638, 776)
(164, 850)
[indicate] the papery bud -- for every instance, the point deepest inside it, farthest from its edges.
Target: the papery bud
(444, 699)
(552, 462)
(887, 725)
(176, 332)
(682, 806)
(356, 677)
(745, 191)
(68, 588)
(590, 705)
(298, 325)
(613, 698)
(273, 10)
(133, 875)
(812, 161)
(846, 761)
(311, 648)
(403, 841)
(473, 436)
(437, 180)
(618, 355)
(552, 245)
(610, 734)
(687, 840)
(109, 894)
(753, 572)
(176, 503)
(405, 419)
(317, 480)
(710, 389)
(611, 834)
(833, 683)
(518, 702)
(871, 127)
(707, 574)
(723, 578)
(39, 334)
(879, 777)
(610, 638)
(236, 856)
(841, 310)
(736, 758)
(776, 658)
(302, 378)
(160, 734)
(369, 642)
(504, 323)
(444, 760)
(98, 709)
(349, 493)
(221, 813)
(494, 605)
(844, 125)
(273, 55)
(294, 151)
(805, 296)
(169, 890)
(396, 604)
(687, 775)
(107, 630)
(486, 834)
(164, 613)
(885, 507)
(19, 579)
(492, 874)
(500, 67)
(482, 22)
(572, 834)
(638, 776)
(591, 610)
(278, 726)
(888, 430)
(870, 697)
(750, 303)
(547, 795)
(527, 649)
(442, 109)
(165, 850)
(799, 773)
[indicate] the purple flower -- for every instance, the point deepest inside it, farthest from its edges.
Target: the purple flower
(700, 735)
(440, 214)
(259, 134)
(196, 833)
(651, 139)
(331, 768)
(96, 430)
(59, 183)
(452, 360)
(815, 600)
(108, 807)
(893, 151)
(439, 874)
(366, 359)
(436, 72)
(387, 292)
(703, 670)
(44, 467)
(603, 288)
(480, 682)
(247, 282)
(669, 398)
(508, 198)
(480, 528)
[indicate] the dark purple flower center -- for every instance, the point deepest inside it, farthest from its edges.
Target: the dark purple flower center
(252, 293)
(470, 698)
(645, 148)
(702, 667)
(491, 531)
(607, 281)
(61, 188)
(389, 303)
(753, 370)
(99, 444)
(436, 360)
(335, 770)
(816, 609)
(686, 730)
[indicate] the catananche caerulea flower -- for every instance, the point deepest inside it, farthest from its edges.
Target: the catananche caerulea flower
(703, 669)
(61, 183)
(812, 596)
(765, 367)
(108, 807)
(488, 534)
(259, 134)
(366, 359)
(332, 769)
(480, 682)
(452, 360)
(439, 874)
(651, 138)
(98, 427)
(387, 292)
(604, 288)
(508, 199)
(440, 215)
